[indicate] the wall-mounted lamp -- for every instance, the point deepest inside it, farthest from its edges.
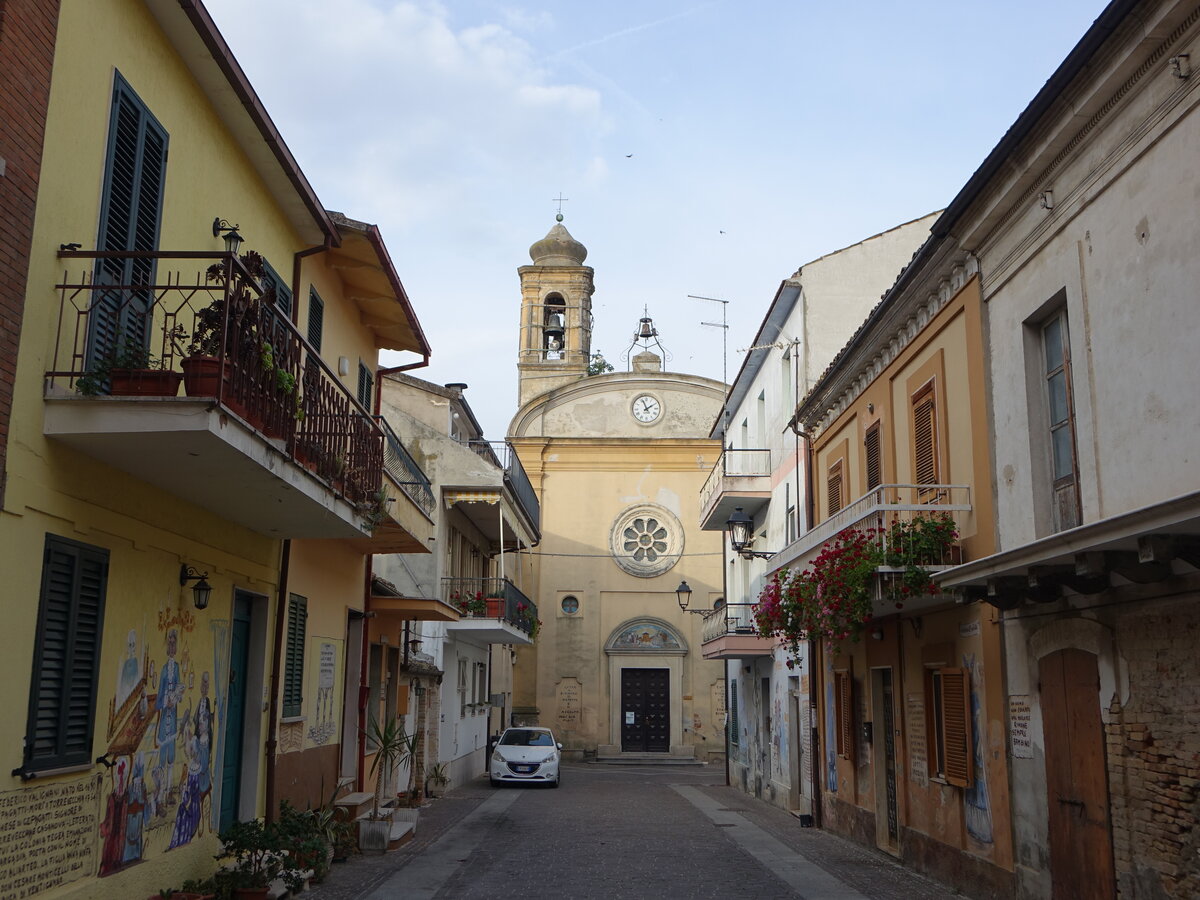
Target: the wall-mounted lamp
(233, 240)
(683, 594)
(418, 688)
(1047, 199)
(413, 645)
(740, 529)
(201, 590)
(343, 366)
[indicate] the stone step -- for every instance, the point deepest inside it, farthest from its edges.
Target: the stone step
(402, 833)
(355, 804)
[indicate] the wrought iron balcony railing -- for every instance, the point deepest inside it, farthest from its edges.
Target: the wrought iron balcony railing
(881, 509)
(505, 457)
(734, 463)
(262, 368)
(403, 469)
(507, 602)
(733, 618)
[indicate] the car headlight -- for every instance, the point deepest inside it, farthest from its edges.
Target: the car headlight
(496, 757)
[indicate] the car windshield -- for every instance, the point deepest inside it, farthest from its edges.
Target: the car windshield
(522, 738)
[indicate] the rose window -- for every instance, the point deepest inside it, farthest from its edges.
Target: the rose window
(645, 539)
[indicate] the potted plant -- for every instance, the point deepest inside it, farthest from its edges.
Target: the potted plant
(344, 840)
(469, 604)
(495, 604)
(129, 369)
(436, 780)
(307, 835)
(202, 367)
(392, 746)
(257, 855)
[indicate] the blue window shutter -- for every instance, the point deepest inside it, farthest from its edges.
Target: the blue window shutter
(62, 696)
(130, 219)
(366, 381)
(316, 319)
(283, 293)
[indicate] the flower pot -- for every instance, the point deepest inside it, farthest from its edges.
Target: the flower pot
(373, 835)
(202, 375)
(143, 382)
(495, 607)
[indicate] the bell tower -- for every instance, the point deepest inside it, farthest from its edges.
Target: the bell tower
(556, 315)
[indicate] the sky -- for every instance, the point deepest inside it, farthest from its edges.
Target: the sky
(706, 148)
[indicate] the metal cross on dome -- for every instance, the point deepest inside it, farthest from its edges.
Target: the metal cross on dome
(560, 200)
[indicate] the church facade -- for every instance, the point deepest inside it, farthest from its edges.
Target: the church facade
(618, 460)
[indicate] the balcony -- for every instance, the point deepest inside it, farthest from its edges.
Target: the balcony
(881, 509)
(507, 616)
(502, 483)
(389, 602)
(740, 478)
(729, 633)
(270, 439)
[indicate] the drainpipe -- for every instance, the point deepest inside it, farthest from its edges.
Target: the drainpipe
(363, 689)
(276, 663)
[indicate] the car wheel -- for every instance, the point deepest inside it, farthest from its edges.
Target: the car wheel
(557, 780)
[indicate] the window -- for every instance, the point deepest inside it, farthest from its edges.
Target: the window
(834, 488)
(843, 695)
(874, 460)
(948, 724)
(130, 215)
(463, 679)
(366, 381)
(733, 712)
(1056, 357)
(480, 695)
(277, 290)
(925, 436)
(293, 659)
(570, 605)
(791, 526)
(761, 421)
(316, 319)
(62, 694)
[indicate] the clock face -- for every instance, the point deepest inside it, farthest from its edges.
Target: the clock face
(646, 408)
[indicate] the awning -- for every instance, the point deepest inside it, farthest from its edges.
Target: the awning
(489, 497)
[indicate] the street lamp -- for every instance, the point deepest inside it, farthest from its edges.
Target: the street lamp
(683, 594)
(740, 529)
(201, 590)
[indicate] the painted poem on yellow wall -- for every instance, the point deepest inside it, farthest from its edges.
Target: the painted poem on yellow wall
(48, 836)
(1019, 715)
(569, 696)
(917, 753)
(718, 701)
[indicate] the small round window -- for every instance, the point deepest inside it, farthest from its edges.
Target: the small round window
(570, 605)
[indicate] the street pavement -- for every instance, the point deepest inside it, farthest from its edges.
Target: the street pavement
(621, 832)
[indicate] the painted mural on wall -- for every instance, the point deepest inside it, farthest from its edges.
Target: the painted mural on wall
(645, 636)
(976, 800)
(322, 676)
(162, 730)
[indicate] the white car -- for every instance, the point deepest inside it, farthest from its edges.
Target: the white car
(525, 754)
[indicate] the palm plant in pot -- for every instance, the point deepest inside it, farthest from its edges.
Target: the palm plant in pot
(393, 746)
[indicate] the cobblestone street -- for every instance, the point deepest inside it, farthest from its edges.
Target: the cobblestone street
(621, 832)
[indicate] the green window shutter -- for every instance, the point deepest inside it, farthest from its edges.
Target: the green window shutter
(293, 675)
(282, 293)
(62, 697)
(316, 319)
(366, 381)
(130, 218)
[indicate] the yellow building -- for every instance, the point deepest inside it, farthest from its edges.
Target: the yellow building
(911, 707)
(618, 460)
(185, 566)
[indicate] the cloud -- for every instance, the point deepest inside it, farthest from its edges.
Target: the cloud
(394, 108)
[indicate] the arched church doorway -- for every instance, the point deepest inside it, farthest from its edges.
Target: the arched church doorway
(646, 661)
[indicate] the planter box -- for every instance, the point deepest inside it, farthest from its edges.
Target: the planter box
(374, 834)
(144, 382)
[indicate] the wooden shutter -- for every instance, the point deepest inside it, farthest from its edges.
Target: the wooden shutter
(956, 726)
(130, 215)
(733, 712)
(316, 319)
(281, 294)
(874, 459)
(834, 488)
(925, 461)
(844, 713)
(365, 382)
(62, 698)
(293, 672)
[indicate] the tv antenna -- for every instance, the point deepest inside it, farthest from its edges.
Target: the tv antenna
(724, 326)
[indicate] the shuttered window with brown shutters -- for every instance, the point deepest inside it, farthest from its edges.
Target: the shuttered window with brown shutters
(874, 457)
(834, 488)
(948, 725)
(844, 713)
(62, 696)
(925, 436)
(293, 670)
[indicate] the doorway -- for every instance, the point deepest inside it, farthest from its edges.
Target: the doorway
(350, 723)
(1081, 857)
(883, 749)
(797, 716)
(645, 711)
(235, 711)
